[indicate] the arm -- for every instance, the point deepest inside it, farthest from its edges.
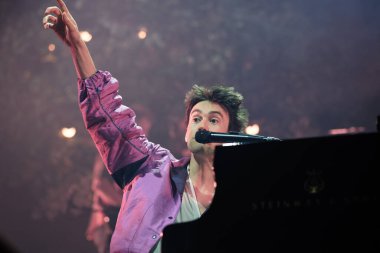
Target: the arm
(112, 126)
(62, 22)
(120, 142)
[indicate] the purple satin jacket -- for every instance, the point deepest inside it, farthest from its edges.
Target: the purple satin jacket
(151, 178)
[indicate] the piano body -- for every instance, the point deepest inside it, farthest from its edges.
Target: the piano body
(299, 195)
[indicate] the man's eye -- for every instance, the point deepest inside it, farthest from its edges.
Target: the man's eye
(214, 121)
(196, 119)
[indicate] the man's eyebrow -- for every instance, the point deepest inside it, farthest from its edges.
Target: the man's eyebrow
(216, 112)
(196, 110)
(212, 112)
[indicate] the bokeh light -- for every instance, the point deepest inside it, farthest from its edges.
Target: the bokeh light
(86, 36)
(68, 132)
(252, 129)
(51, 47)
(142, 33)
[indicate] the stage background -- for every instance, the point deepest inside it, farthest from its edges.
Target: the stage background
(304, 67)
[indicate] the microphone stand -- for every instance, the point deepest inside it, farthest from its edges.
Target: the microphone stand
(231, 138)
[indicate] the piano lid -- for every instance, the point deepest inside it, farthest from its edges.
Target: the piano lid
(301, 195)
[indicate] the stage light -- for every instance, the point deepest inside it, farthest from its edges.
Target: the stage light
(68, 133)
(252, 129)
(51, 47)
(85, 36)
(142, 33)
(349, 130)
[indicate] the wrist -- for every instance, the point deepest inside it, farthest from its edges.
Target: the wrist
(83, 62)
(78, 45)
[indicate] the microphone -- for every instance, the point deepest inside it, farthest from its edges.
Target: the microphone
(204, 136)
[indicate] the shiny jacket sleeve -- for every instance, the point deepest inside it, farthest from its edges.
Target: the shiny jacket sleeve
(119, 140)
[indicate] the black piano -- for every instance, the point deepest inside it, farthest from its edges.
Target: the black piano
(299, 195)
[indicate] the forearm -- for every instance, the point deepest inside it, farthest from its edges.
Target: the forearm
(84, 65)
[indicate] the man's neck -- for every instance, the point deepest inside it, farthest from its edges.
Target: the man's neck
(203, 178)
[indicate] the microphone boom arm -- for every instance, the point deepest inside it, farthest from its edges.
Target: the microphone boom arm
(203, 136)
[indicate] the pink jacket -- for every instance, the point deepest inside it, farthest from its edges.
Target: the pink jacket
(151, 178)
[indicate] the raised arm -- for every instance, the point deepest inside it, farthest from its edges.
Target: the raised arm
(59, 19)
(121, 143)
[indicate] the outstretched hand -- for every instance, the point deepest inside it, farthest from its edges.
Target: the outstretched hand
(62, 23)
(59, 19)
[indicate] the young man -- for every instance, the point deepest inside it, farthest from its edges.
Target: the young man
(158, 189)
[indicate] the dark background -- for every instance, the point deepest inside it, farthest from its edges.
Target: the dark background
(304, 67)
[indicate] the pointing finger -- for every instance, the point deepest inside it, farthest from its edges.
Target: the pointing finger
(63, 6)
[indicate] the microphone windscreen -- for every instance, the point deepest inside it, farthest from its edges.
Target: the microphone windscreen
(202, 136)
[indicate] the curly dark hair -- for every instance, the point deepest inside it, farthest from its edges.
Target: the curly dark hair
(227, 97)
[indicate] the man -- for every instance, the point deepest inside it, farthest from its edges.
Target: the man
(158, 189)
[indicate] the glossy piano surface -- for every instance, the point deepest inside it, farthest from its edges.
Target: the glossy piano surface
(300, 195)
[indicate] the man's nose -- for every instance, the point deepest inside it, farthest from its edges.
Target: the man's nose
(203, 125)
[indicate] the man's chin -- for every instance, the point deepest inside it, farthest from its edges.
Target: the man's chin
(199, 148)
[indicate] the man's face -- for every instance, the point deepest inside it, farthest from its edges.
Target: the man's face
(209, 116)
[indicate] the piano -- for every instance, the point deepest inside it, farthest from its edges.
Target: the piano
(316, 194)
